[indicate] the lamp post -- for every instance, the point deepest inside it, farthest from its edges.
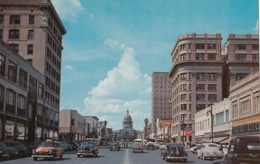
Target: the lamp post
(43, 115)
(211, 117)
(182, 124)
(146, 123)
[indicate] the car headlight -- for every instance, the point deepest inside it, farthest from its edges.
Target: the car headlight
(33, 151)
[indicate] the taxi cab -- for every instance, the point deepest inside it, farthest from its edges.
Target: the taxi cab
(48, 150)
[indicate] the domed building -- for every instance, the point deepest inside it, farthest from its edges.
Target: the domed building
(127, 133)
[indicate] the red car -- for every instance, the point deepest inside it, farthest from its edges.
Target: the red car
(138, 147)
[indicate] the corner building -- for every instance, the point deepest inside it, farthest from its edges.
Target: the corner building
(196, 77)
(34, 30)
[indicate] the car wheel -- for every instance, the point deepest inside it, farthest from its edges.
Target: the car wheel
(167, 160)
(60, 157)
(185, 160)
(198, 156)
(163, 157)
(203, 157)
(35, 158)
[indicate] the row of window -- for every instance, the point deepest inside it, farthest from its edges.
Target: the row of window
(16, 19)
(198, 56)
(246, 129)
(210, 46)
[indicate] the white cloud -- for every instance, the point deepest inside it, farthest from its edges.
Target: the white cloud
(69, 67)
(69, 9)
(256, 28)
(124, 87)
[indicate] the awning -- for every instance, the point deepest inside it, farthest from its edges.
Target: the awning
(217, 139)
(226, 140)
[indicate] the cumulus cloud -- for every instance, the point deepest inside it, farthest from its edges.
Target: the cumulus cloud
(69, 9)
(68, 67)
(256, 28)
(124, 87)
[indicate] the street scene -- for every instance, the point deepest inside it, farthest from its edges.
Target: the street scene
(129, 82)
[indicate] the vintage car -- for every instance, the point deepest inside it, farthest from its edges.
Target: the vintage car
(194, 148)
(174, 151)
(48, 150)
(150, 146)
(243, 149)
(88, 148)
(138, 147)
(7, 152)
(22, 150)
(209, 150)
(114, 146)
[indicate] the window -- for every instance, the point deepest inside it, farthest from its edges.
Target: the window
(212, 57)
(15, 47)
(31, 19)
(199, 46)
(240, 47)
(200, 56)
(1, 19)
(12, 69)
(183, 47)
(30, 49)
(23, 79)
(183, 87)
(245, 107)
(220, 118)
(183, 106)
(212, 97)
(21, 102)
(30, 34)
(211, 46)
(240, 57)
(200, 107)
(227, 115)
(255, 47)
(14, 34)
(2, 65)
(212, 87)
(10, 97)
(183, 76)
(234, 111)
(15, 19)
(201, 76)
(183, 96)
(200, 87)
(1, 33)
(201, 97)
(212, 76)
(41, 90)
(255, 57)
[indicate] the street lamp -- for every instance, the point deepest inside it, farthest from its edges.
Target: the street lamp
(145, 132)
(211, 117)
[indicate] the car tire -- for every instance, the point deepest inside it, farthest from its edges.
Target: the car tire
(78, 155)
(185, 160)
(198, 156)
(60, 157)
(203, 157)
(35, 158)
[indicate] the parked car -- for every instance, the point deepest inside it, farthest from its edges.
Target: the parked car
(243, 149)
(150, 146)
(22, 150)
(114, 146)
(7, 152)
(194, 148)
(174, 151)
(30, 147)
(156, 145)
(138, 147)
(209, 150)
(88, 148)
(48, 150)
(163, 147)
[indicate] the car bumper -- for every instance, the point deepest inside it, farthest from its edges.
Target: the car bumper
(43, 155)
(176, 158)
(86, 153)
(138, 150)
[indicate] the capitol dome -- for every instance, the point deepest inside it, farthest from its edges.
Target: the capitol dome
(127, 123)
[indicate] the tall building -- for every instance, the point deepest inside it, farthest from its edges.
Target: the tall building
(34, 30)
(242, 58)
(161, 99)
(196, 77)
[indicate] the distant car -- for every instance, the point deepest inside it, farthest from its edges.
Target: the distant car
(88, 148)
(22, 150)
(7, 152)
(150, 146)
(156, 145)
(48, 150)
(114, 146)
(194, 148)
(209, 150)
(174, 151)
(138, 147)
(243, 149)
(163, 147)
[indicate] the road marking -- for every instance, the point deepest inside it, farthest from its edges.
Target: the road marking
(126, 156)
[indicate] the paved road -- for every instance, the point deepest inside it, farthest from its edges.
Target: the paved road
(125, 156)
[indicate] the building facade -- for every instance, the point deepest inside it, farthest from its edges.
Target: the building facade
(92, 123)
(245, 106)
(34, 30)
(196, 77)
(161, 100)
(71, 126)
(21, 92)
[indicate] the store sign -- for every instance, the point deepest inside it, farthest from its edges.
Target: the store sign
(187, 132)
(246, 121)
(165, 123)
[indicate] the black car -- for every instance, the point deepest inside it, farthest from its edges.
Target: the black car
(22, 150)
(243, 149)
(7, 152)
(174, 151)
(88, 148)
(114, 146)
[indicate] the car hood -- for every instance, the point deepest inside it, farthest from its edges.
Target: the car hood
(44, 149)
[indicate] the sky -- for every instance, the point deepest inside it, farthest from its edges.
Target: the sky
(112, 47)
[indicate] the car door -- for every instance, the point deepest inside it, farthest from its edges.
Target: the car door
(229, 157)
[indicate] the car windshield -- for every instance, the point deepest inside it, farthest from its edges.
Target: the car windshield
(175, 147)
(48, 144)
(88, 144)
(137, 144)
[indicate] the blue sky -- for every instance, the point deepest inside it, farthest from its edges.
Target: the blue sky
(112, 48)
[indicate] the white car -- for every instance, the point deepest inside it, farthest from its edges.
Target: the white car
(163, 147)
(195, 148)
(209, 150)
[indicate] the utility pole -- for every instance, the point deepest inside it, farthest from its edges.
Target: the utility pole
(211, 117)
